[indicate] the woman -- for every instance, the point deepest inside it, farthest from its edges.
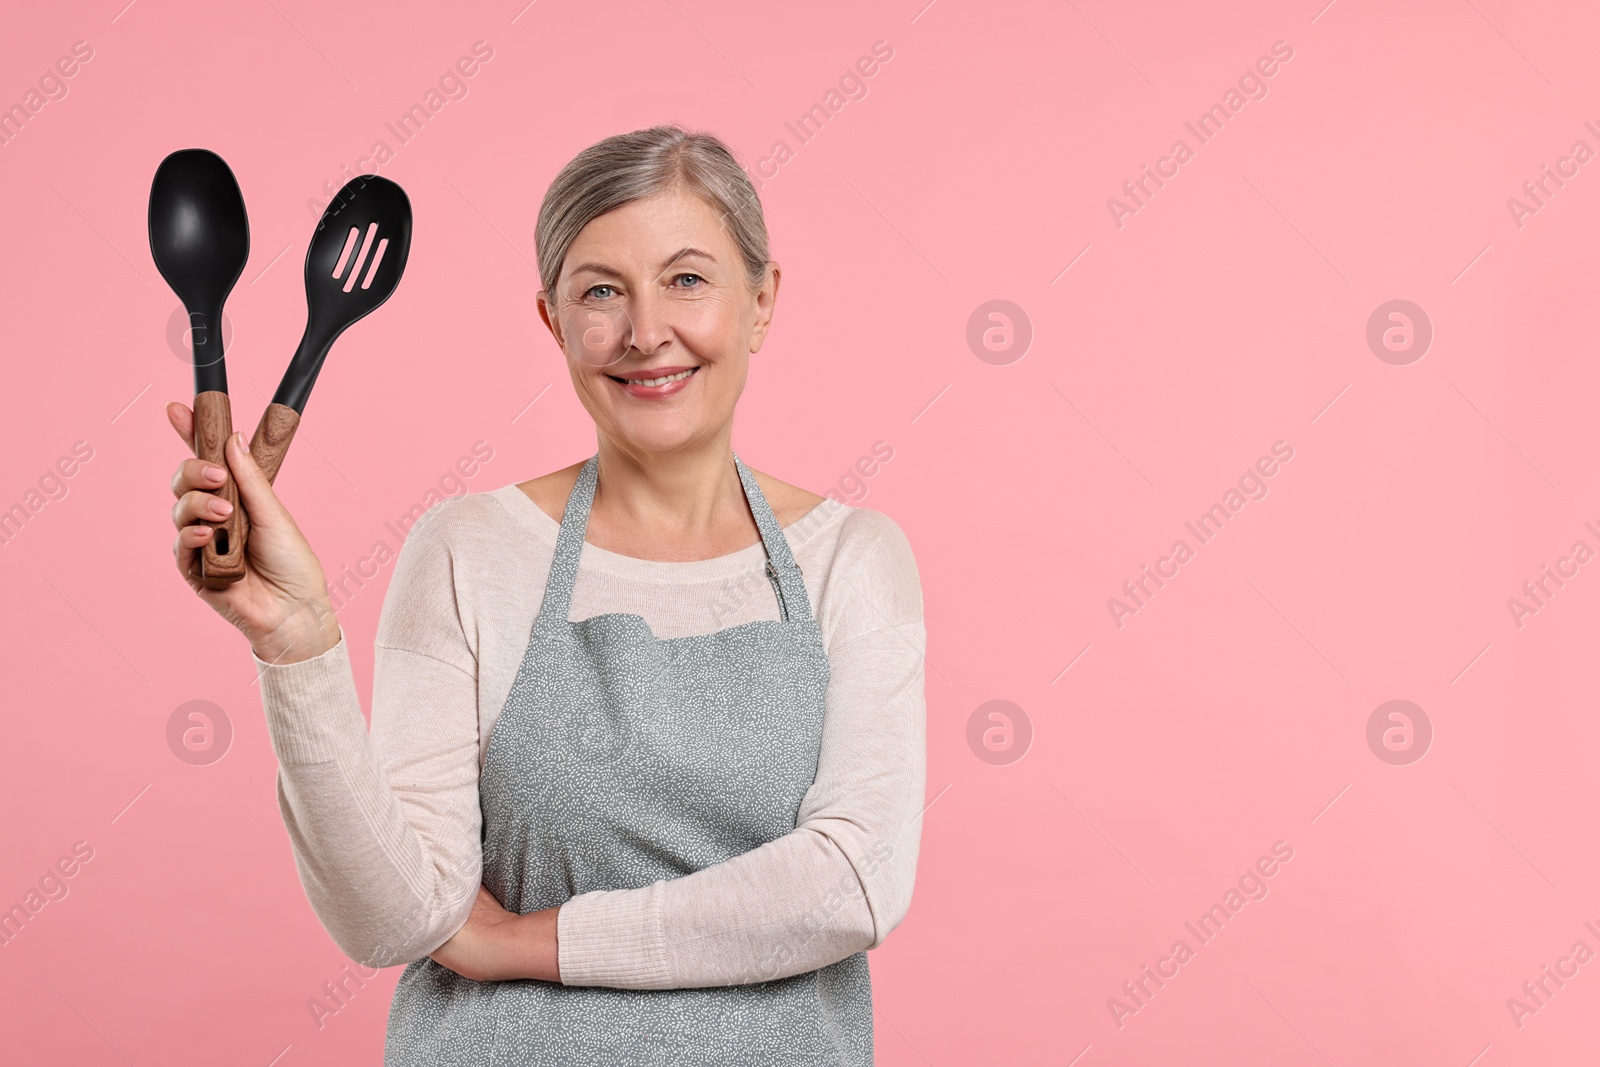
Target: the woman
(646, 759)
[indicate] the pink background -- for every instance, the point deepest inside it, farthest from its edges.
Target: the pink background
(1228, 313)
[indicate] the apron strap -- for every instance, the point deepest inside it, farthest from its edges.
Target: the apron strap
(793, 603)
(557, 603)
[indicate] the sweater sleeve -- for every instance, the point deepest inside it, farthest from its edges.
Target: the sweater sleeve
(384, 825)
(841, 880)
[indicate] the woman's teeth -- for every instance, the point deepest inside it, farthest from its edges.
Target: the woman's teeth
(659, 381)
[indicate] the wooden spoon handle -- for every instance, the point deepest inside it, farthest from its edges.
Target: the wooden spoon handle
(273, 434)
(222, 557)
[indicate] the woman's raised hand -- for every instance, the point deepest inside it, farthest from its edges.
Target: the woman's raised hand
(281, 604)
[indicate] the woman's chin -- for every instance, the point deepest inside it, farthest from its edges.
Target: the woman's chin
(666, 432)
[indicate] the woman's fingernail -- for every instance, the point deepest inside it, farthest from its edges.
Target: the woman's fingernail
(222, 507)
(214, 474)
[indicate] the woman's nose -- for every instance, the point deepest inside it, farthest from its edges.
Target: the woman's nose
(650, 320)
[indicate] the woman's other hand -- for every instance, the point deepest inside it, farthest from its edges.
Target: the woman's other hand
(281, 604)
(496, 945)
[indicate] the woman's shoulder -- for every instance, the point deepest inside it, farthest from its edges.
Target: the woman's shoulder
(550, 491)
(789, 503)
(868, 539)
(869, 573)
(469, 521)
(862, 547)
(851, 535)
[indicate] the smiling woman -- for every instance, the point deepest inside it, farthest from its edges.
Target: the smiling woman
(605, 812)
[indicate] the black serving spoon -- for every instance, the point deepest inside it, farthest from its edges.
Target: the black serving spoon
(200, 240)
(357, 255)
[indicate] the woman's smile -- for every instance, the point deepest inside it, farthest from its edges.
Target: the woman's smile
(654, 383)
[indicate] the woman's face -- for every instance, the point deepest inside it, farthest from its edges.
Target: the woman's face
(657, 288)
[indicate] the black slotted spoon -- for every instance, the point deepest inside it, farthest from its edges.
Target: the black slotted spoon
(354, 263)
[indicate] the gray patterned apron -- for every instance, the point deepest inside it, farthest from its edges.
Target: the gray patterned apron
(622, 758)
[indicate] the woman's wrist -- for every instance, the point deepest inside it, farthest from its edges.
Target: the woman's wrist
(496, 945)
(306, 634)
(528, 946)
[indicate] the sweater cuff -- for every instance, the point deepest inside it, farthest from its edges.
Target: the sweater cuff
(313, 709)
(612, 937)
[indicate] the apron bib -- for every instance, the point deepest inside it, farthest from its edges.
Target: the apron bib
(622, 758)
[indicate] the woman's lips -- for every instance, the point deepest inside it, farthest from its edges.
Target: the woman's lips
(654, 392)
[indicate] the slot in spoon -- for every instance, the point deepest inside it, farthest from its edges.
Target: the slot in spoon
(200, 240)
(357, 254)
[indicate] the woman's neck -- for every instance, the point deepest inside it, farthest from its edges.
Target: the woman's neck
(688, 504)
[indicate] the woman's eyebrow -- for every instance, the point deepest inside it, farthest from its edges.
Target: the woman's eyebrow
(684, 253)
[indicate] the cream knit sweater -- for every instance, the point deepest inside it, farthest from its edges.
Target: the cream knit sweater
(385, 826)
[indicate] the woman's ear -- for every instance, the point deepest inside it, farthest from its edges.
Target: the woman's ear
(542, 299)
(766, 300)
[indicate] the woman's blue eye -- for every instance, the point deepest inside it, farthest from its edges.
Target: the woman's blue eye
(605, 296)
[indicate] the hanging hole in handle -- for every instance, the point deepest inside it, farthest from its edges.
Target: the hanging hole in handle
(220, 539)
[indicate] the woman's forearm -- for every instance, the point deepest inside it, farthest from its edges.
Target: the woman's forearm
(388, 863)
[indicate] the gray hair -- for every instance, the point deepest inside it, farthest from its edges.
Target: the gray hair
(633, 166)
